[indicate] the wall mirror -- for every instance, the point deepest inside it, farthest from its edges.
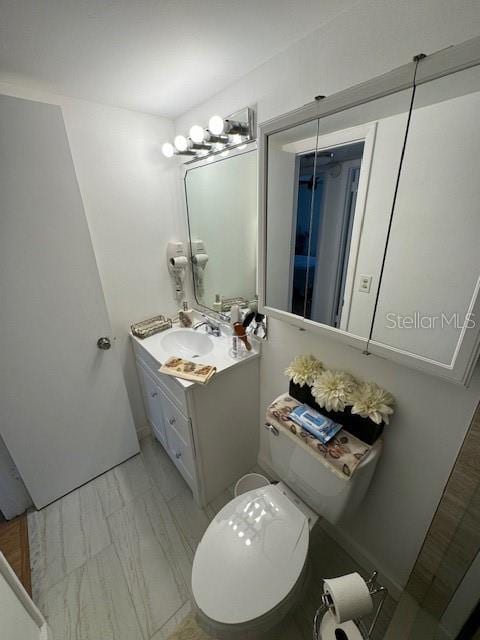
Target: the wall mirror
(221, 198)
(370, 215)
(329, 194)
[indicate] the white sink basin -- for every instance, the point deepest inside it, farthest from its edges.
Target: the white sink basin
(186, 343)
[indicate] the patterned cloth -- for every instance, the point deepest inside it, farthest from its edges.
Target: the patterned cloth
(187, 370)
(341, 455)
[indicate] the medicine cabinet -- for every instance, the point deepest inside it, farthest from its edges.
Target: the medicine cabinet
(370, 214)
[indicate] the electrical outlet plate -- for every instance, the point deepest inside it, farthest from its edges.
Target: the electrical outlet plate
(365, 284)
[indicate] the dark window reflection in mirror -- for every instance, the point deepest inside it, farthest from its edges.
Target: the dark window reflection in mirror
(290, 196)
(327, 195)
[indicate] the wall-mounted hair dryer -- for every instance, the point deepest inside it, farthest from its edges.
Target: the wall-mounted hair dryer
(199, 262)
(177, 266)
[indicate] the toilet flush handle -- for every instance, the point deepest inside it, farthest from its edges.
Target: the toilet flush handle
(272, 429)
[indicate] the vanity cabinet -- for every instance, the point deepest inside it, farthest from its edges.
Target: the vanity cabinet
(210, 432)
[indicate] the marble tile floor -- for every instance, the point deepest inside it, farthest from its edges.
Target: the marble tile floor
(112, 560)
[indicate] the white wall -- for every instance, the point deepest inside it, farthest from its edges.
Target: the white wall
(130, 194)
(432, 416)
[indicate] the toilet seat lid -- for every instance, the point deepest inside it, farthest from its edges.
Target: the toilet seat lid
(250, 557)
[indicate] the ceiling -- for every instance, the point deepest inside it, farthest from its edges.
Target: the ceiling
(158, 56)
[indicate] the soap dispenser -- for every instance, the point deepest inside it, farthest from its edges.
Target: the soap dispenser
(185, 315)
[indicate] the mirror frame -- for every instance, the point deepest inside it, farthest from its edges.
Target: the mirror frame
(251, 146)
(445, 62)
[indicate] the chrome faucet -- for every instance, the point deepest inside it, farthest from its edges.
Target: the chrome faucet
(211, 327)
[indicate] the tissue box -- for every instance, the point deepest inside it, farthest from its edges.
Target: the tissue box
(315, 423)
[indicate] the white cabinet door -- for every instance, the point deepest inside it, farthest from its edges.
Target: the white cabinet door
(20, 618)
(64, 410)
(153, 404)
(181, 454)
(429, 300)
(179, 439)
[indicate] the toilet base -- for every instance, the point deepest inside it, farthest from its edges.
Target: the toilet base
(263, 628)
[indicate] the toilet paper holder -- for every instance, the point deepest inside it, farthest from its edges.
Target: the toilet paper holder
(374, 589)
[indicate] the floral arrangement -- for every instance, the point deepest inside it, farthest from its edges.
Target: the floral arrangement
(338, 390)
(304, 370)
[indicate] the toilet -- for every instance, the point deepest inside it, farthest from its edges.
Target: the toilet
(251, 564)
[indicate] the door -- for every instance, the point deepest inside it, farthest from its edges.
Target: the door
(21, 620)
(64, 411)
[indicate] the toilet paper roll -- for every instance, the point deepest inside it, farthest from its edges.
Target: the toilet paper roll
(329, 629)
(200, 259)
(350, 596)
(179, 262)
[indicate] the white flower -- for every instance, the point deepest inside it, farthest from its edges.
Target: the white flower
(333, 389)
(371, 401)
(304, 369)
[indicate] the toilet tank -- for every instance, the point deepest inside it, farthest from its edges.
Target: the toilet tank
(333, 498)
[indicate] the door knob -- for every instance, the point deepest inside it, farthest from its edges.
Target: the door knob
(104, 343)
(171, 420)
(154, 394)
(178, 455)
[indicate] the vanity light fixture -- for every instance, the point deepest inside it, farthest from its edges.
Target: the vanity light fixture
(211, 137)
(197, 134)
(221, 135)
(180, 143)
(168, 150)
(216, 125)
(182, 147)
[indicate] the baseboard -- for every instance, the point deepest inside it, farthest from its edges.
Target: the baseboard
(144, 432)
(362, 557)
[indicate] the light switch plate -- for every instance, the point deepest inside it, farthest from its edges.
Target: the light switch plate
(365, 284)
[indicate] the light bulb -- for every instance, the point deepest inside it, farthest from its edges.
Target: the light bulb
(197, 134)
(181, 143)
(215, 124)
(168, 150)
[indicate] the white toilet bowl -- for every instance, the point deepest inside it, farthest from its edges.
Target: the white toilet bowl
(250, 564)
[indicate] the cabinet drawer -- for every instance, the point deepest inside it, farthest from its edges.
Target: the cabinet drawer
(181, 454)
(174, 419)
(169, 384)
(175, 390)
